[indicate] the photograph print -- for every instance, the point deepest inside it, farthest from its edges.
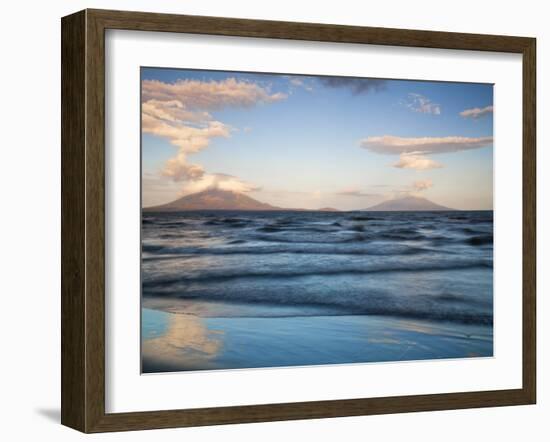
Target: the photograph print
(301, 220)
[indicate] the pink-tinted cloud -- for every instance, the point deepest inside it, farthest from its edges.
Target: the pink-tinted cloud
(389, 144)
(179, 113)
(413, 152)
(209, 95)
(220, 181)
(179, 169)
(172, 111)
(188, 139)
(477, 112)
(417, 162)
(422, 185)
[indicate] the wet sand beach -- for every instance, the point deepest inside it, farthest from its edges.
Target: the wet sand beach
(181, 342)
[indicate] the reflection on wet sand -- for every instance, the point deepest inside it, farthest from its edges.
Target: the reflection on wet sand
(187, 342)
(186, 345)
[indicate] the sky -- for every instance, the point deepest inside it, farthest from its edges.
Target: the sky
(310, 142)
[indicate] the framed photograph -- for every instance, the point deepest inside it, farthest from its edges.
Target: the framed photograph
(267, 220)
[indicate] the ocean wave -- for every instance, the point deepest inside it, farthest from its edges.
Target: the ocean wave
(301, 300)
(436, 266)
(480, 240)
(163, 223)
(365, 218)
(230, 274)
(287, 239)
(270, 229)
(276, 310)
(404, 237)
(390, 250)
(236, 241)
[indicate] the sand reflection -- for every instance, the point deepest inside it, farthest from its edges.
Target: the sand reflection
(186, 345)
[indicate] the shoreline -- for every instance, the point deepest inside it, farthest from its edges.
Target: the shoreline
(178, 340)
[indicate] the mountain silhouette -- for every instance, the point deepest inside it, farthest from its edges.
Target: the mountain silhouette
(213, 199)
(407, 203)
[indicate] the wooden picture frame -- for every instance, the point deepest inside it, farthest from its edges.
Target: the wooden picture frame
(83, 220)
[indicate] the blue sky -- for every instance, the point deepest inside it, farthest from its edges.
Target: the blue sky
(311, 142)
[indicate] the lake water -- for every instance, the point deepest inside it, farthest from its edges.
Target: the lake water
(262, 289)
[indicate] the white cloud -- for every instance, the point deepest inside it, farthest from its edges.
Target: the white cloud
(422, 104)
(389, 144)
(179, 113)
(179, 169)
(415, 161)
(218, 181)
(422, 185)
(477, 112)
(413, 151)
(300, 82)
(172, 111)
(189, 139)
(209, 95)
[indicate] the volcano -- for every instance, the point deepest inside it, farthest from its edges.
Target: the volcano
(407, 203)
(213, 199)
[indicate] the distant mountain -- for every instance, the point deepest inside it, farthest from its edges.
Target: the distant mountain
(407, 203)
(213, 199)
(327, 209)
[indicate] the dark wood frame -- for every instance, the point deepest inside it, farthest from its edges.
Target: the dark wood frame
(83, 220)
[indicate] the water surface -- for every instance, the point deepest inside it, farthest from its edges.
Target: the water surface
(260, 289)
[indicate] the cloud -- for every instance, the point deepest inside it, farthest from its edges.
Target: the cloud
(477, 112)
(389, 144)
(179, 169)
(179, 113)
(356, 85)
(413, 151)
(172, 111)
(299, 82)
(422, 104)
(189, 139)
(209, 95)
(356, 193)
(220, 181)
(415, 161)
(159, 189)
(422, 185)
